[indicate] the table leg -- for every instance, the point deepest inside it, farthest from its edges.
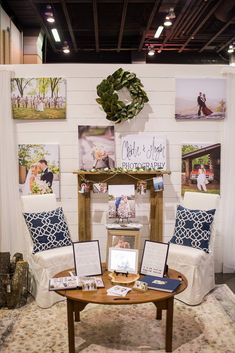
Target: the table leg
(78, 307)
(70, 318)
(169, 323)
(159, 314)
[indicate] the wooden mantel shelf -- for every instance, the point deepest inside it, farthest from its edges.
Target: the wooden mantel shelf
(120, 177)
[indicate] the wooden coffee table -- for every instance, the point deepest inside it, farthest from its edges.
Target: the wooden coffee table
(78, 299)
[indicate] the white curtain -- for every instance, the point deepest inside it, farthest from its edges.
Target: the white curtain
(228, 166)
(11, 227)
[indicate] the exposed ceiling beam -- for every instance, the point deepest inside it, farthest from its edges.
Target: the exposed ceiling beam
(150, 20)
(96, 26)
(48, 34)
(216, 35)
(200, 25)
(124, 11)
(66, 14)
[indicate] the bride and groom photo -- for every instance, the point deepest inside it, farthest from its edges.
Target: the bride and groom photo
(200, 99)
(39, 169)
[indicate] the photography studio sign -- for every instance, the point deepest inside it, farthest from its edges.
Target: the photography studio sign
(143, 151)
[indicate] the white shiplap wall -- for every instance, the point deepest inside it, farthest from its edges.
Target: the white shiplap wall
(157, 117)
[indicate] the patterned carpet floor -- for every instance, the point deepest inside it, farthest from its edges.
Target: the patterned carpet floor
(207, 328)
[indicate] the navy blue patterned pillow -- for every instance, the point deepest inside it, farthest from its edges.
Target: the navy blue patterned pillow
(48, 230)
(193, 228)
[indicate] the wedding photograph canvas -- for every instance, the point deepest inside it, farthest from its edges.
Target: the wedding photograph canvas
(121, 201)
(201, 168)
(38, 98)
(39, 169)
(96, 147)
(200, 99)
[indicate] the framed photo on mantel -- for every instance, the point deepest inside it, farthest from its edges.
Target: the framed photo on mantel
(154, 258)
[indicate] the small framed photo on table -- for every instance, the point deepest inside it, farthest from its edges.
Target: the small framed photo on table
(87, 258)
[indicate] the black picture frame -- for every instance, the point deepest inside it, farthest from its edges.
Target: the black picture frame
(87, 259)
(154, 258)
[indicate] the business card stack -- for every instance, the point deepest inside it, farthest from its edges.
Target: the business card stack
(119, 291)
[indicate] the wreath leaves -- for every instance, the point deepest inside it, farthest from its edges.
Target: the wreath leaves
(115, 109)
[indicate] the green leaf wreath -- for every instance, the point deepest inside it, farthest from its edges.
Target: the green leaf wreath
(115, 109)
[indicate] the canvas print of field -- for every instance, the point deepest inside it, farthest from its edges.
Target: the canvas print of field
(38, 98)
(121, 201)
(96, 147)
(39, 171)
(200, 99)
(201, 168)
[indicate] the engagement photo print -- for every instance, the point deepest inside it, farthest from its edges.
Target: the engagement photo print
(39, 171)
(96, 147)
(200, 99)
(121, 201)
(38, 98)
(201, 168)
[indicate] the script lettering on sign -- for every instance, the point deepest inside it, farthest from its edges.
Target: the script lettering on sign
(143, 151)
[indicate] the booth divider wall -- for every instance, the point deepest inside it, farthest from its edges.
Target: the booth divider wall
(158, 116)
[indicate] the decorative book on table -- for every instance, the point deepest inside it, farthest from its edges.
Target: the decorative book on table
(161, 283)
(73, 282)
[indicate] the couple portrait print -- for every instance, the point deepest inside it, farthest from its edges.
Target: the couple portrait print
(200, 99)
(39, 169)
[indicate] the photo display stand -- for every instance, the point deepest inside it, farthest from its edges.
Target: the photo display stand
(154, 258)
(123, 265)
(87, 258)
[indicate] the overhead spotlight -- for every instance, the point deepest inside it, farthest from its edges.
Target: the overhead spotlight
(50, 19)
(231, 49)
(167, 22)
(65, 48)
(49, 14)
(169, 17)
(151, 50)
(171, 13)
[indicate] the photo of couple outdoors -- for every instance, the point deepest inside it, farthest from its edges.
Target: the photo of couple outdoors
(39, 169)
(200, 99)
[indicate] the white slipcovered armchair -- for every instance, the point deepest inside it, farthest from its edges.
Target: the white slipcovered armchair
(196, 265)
(44, 264)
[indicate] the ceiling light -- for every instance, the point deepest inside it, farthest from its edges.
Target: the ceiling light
(158, 32)
(167, 22)
(151, 50)
(231, 49)
(50, 19)
(55, 34)
(49, 14)
(171, 14)
(65, 48)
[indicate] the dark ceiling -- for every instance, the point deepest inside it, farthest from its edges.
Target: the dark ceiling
(105, 31)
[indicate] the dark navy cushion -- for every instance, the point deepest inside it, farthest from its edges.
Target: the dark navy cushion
(193, 228)
(48, 230)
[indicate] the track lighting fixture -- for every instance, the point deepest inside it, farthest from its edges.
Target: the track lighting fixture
(231, 49)
(151, 50)
(169, 17)
(49, 14)
(65, 48)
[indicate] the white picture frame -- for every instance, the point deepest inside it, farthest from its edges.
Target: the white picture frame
(87, 260)
(154, 258)
(123, 260)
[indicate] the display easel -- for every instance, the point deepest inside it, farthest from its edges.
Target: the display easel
(115, 177)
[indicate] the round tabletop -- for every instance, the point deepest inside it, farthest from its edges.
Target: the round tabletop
(133, 297)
